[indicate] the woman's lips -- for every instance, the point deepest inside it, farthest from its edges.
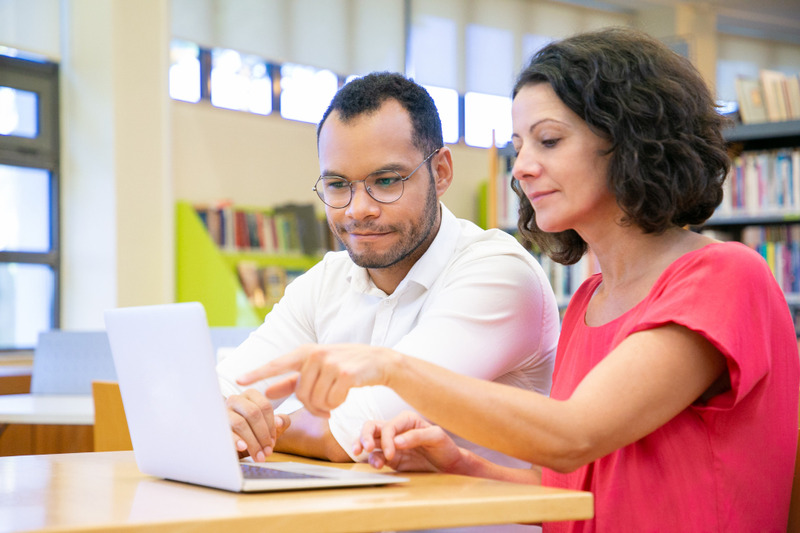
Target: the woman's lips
(536, 196)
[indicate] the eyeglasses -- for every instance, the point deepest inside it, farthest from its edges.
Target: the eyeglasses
(384, 186)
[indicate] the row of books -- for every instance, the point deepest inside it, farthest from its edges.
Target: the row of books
(285, 230)
(507, 202)
(264, 286)
(778, 244)
(763, 181)
(773, 97)
(565, 279)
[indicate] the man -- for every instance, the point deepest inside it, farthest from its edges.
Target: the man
(413, 277)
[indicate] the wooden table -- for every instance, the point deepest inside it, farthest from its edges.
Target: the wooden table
(15, 378)
(41, 423)
(91, 491)
(47, 409)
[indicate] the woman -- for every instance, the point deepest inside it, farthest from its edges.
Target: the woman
(675, 392)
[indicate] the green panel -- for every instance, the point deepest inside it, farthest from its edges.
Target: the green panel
(483, 204)
(289, 262)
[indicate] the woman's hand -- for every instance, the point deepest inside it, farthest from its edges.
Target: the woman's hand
(326, 373)
(410, 443)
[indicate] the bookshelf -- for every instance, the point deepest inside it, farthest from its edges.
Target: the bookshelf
(772, 97)
(208, 273)
(765, 178)
(761, 204)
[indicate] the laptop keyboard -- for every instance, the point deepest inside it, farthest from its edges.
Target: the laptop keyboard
(263, 472)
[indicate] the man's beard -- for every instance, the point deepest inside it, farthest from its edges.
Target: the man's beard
(413, 236)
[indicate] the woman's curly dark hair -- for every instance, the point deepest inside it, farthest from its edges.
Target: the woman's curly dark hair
(668, 157)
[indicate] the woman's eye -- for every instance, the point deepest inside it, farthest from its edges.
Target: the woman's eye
(549, 143)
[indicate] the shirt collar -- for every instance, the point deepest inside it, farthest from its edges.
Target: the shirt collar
(427, 268)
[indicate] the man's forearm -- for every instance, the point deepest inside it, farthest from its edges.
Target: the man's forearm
(310, 436)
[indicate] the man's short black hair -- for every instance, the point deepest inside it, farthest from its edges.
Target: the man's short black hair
(367, 94)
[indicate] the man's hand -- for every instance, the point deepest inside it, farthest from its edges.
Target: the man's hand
(255, 426)
(410, 443)
(326, 373)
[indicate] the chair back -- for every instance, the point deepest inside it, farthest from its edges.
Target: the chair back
(225, 339)
(110, 423)
(66, 362)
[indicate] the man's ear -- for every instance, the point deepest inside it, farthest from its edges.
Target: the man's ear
(442, 170)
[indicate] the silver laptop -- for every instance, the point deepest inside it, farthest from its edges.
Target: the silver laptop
(176, 414)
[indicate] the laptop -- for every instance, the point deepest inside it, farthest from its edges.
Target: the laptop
(176, 414)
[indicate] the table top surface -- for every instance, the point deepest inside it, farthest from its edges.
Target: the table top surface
(91, 491)
(46, 409)
(15, 370)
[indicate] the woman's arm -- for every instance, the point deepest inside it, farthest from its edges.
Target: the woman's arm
(647, 380)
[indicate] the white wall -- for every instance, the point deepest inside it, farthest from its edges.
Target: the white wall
(117, 203)
(32, 25)
(254, 160)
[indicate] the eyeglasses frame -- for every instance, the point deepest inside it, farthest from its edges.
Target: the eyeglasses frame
(352, 183)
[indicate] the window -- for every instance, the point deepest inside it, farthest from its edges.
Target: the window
(306, 92)
(29, 215)
(484, 114)
(240, 81)
(184, 71)
(441, 68)
(489, 60)
(446, 101)
(18, 113)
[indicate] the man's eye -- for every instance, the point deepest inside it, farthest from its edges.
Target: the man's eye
(385, 180)
(335, 185)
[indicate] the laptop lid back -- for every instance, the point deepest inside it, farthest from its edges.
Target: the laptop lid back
(176, 415)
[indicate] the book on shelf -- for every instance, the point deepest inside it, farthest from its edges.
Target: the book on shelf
(772, 97)
(752, 109)
(306, 227)
(793, 96)
(763, 181)
(565, 279)
(287, 229)
(507, 202)
(779, 245)
(773, 85)
(264, 285)
(249, 277)
(274, 280)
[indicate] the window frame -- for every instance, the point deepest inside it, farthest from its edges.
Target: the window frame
(41, 152)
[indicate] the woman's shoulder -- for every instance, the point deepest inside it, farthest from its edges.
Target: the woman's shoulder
(733, 255)
(718, 266)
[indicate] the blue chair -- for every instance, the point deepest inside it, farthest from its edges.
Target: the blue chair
(66, 362)
(227, 338)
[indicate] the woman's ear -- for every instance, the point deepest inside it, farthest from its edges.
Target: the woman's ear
(442, 169)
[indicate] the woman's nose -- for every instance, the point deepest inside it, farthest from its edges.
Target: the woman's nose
(525, 166)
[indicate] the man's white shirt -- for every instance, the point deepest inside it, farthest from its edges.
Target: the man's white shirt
(476, 303)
